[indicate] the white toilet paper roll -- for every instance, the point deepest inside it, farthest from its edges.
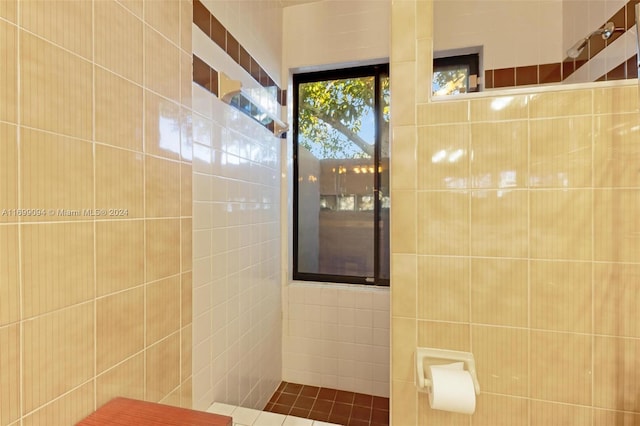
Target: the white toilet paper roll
(452, 389)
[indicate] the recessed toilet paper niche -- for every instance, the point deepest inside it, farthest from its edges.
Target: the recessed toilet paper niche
(449, 377)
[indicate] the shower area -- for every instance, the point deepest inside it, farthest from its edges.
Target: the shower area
(252, 328)
(513, 231)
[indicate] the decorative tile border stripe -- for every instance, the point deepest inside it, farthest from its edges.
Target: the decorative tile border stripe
(223, 38)
(521, 76)
(204, 75)
(207, 77)
(558, 71)
(627, 69)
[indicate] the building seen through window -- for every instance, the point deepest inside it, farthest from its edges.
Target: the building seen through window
(341, 171)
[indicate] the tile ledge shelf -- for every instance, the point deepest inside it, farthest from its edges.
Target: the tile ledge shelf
(533, 90)
(341, 286)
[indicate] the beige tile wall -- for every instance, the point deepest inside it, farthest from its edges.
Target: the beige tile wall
(515, 236)
(94, 115)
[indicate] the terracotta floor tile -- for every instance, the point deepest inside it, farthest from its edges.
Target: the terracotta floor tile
(317, 415)
(341, 409)
(300, 412)
(293, 388)
(363, 400)
(287, 399)
(341, 420)
(274, 397)
(330, 405)
(343, 396)
(304, 402)
(361, 413)
(379, 416)
(328, 394)
(380, 403)
(280, 409)
(322, 406)
(310, 391)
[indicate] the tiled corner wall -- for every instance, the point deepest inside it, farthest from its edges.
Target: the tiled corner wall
(337, 336)
(522, 249)
(236, 276)
(237, 326)
(95, 206)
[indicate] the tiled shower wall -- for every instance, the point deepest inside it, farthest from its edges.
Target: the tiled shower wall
(237, 307)
(237, 328)
(521, 247)
(95, 206)
(579, 18)
(335, 335)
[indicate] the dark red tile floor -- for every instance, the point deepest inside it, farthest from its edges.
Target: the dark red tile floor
(329, 405)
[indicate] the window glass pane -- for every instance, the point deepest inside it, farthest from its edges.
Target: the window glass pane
(336, 179)
(456, 74)
(383, 194)
(450, 80)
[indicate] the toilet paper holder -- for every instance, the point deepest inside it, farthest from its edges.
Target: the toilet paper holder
(433, 356)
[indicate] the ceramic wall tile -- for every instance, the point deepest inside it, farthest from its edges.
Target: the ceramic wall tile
(499, 223)
(119, 255)
(443, 223)
(443, 279)
(118, 116)
(499, 155)
(162, 187)
(9, 275)
(161, 65)
(49, 20)
(120, 330)
(119, 184)
(561, 366)
(500, 291)
(162, 308)
(119, 30)
(125, 379)
(69, 409)
(162, 248)
(56, 88)
(42, 348)
(57, 265)
(445, 149)
(9, 375)
(502, 359)
(80, 243)
(567, 162)
(561, 295)
(164, 17)
(57, 177)
(9, 82)
(9, 174)
(162, 374)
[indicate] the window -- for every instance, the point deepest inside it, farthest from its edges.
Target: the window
(341, 176)
(455, 74)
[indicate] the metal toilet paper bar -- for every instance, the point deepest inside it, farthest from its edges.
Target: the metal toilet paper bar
(433, 356)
